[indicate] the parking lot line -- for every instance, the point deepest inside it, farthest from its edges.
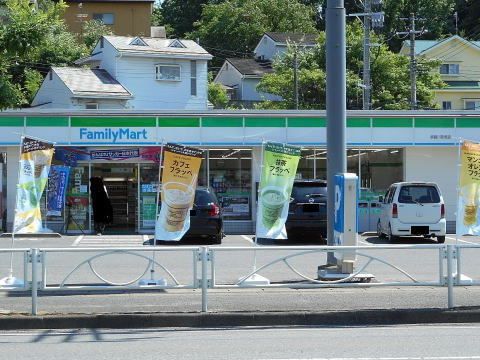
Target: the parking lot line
(464, 241)
(77, 240)
(247, 238)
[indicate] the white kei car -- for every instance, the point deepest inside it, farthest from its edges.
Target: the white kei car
(412, 209)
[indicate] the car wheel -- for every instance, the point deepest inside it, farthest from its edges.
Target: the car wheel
(380, 234)
(440, 239)
(217, 239)
(391, 238)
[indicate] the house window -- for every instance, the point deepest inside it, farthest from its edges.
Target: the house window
(106, 18)
(167, 72)
(450, 69)
(446, 105)
(176, 44)
(91, 106)
(193, 78)
(472, 105)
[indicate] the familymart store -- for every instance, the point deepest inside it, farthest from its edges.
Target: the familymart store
(124, 149)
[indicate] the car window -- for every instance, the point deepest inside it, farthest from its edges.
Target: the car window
(392, 194)
(385, 198)
(203, 197)
(301, 192)
(423, 194)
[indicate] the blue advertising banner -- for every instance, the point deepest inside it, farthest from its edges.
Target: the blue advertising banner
(57, 186)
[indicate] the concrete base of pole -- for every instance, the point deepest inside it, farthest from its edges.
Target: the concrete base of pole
(254, 280)
(153, 282)
(11, 282)
(335, 274)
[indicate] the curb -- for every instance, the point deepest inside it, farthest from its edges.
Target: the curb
(148, 320)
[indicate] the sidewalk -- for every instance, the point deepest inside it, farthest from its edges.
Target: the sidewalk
(244, 307)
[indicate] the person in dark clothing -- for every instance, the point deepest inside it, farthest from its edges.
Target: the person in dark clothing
(101, 205)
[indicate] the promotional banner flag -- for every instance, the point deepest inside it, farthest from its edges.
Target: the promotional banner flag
(280, 163)
(35, 159)
(57, 186)
(469, 199)
(179, 180)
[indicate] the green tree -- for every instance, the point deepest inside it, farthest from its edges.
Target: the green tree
(32, 41)
(217, 94)
(390, 77)
(92, 31)
(469, 18)
(234, 27)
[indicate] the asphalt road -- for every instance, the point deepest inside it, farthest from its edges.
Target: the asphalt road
(418, 342)
(421, 264)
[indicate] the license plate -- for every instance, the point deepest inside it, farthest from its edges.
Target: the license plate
(308, 208)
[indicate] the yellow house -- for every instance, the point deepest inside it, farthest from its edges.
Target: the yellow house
(124, 17)
(459, 69)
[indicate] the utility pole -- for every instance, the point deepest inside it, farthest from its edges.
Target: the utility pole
(295, 77)
(366, 57)
(413, 62)
(370, 20)
(336, 108)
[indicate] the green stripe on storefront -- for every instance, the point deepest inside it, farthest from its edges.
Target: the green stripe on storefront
(179, 122)
(358, 122)
(434, 123)
(392, 122)
(265, 122)
(114, 121)
(468, 122)
(47, 121)
(306, 122)
(222, 122)
(11, 121)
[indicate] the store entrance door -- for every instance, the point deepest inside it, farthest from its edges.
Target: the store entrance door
(121, 183)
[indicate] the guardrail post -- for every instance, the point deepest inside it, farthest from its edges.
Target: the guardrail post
(450, 249)
(204, 279)
(34, 281)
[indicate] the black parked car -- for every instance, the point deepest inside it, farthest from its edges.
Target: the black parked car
(206, 219)
(307, 213)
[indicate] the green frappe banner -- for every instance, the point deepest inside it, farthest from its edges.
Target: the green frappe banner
(280, 163)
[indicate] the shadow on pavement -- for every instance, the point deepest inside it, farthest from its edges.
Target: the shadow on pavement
(402, 241)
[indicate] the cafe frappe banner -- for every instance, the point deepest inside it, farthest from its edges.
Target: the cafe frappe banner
(469, 195)
(181, 165)
(280, 163)
(57, 187)
(34, 166)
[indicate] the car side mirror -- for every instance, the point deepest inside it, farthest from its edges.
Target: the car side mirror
(380, 199)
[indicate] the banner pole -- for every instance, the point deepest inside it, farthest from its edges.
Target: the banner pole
(459, 170)
(10, 278)
(152, 270)
(258, 197)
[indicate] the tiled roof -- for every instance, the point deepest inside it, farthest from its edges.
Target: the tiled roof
(157, 46)
(251, 67)
(91, 82)
(299, 38)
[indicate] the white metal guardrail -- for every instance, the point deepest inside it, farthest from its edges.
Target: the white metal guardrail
(206, 268)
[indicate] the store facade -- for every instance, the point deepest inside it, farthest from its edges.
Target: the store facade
(124, 149)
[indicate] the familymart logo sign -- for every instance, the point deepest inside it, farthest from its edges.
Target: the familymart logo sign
(115, 135)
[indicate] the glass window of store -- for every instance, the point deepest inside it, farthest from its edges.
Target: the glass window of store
(231, 177)
(306, 165)
(3, 191)
(77, 201)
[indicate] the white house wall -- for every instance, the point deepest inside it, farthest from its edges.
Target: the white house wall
(249, 92)
(437, 164)
(138, 76)
(108, 57)
(266, 48)
(53, 92)
(230, 77)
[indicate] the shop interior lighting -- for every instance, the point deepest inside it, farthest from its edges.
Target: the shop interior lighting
(114, 179)
(393, 151)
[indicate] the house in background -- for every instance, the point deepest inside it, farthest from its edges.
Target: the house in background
(241, 76)
(124, 17)
(459, 69)
(131, 73)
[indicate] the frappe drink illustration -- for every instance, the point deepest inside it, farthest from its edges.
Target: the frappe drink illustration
(273, 200)
(177, 199)
(469, 193)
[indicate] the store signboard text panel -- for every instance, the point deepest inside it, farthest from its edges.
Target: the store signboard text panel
(238, 129)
